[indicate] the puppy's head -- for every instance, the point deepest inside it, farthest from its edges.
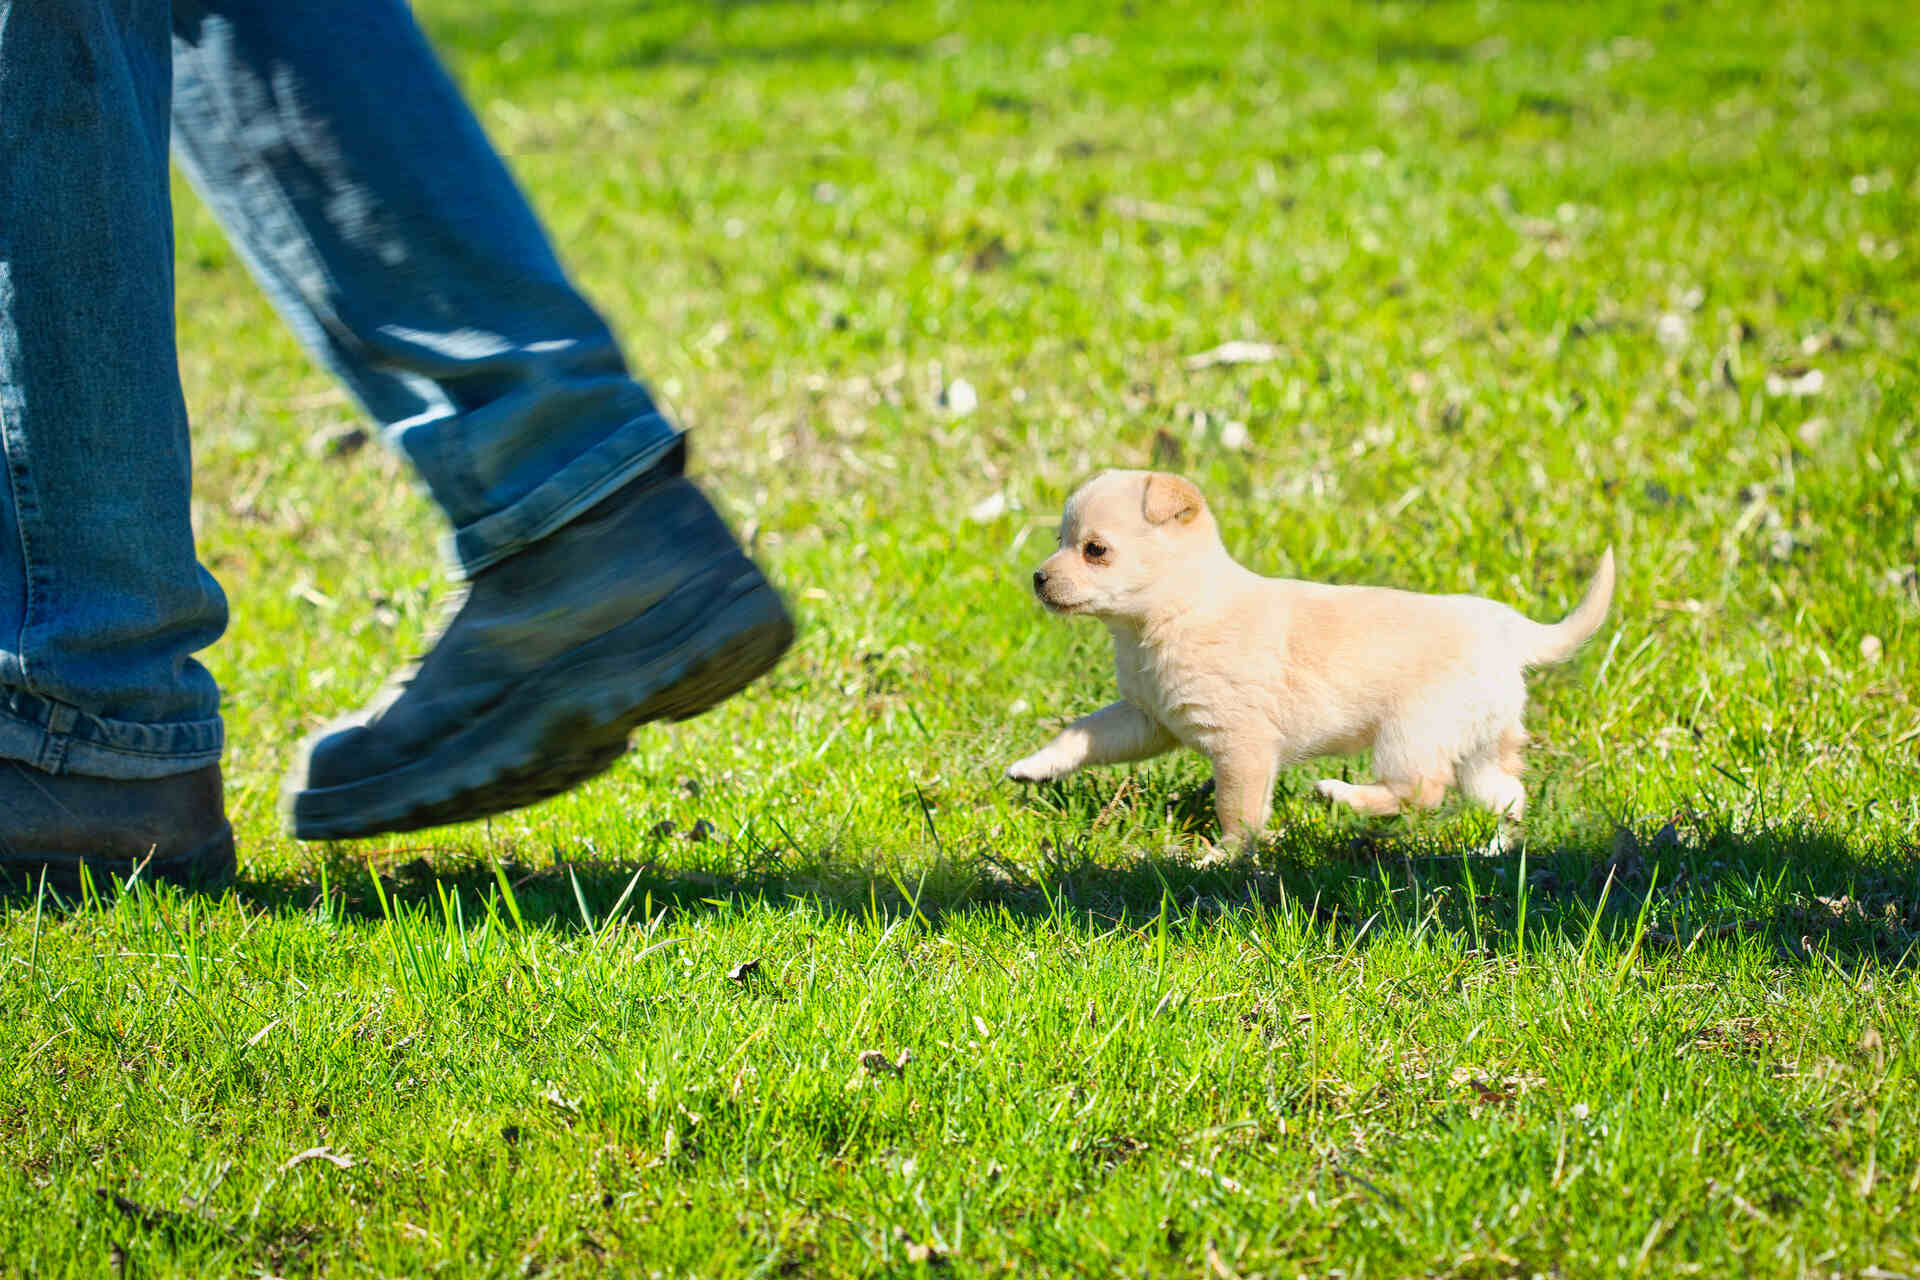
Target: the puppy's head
(1124, 540)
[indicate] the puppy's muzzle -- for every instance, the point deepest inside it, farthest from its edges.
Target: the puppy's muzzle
(1042, 587)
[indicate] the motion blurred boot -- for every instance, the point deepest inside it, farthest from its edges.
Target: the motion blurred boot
(644, 608)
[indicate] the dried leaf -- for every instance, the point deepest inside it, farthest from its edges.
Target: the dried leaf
(1233, 1186)
(959, 398)
(877, 1062)
(743, 972)
(919, 1251)
(1487, 1095)
(1493, 1092)
(1238, 351)
(1796, 381)
(1734, 1035)
(1153, 211)
(988, 508)
(1623, 865)
(339, 441)
(332, 1157)
(1661, 938)
(305, 590)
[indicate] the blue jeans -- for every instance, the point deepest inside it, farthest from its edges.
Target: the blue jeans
(363, 195)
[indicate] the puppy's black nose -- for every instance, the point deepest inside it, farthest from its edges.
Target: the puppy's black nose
(1039, 579)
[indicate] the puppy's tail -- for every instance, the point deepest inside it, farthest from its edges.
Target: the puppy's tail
(1556, 642)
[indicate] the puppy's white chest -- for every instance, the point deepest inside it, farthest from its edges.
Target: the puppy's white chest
(1187, 703)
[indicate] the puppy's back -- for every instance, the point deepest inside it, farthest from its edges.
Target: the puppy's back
(1402, 639)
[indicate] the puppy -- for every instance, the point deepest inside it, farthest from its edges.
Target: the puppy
(1258, 673)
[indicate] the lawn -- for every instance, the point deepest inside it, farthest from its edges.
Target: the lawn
(803, 987)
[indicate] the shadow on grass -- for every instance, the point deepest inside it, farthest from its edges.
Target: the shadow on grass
(1809, 892)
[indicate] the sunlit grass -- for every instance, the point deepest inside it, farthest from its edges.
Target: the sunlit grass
(1536, 280)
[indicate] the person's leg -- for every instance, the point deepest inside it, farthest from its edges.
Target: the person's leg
(359, 188)
(339, 155)
(102, 601)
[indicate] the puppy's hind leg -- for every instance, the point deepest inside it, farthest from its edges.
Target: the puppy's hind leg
(1117, 732)
(1413, 775)
(1384, 799)
(1491, 777)
(1369, 798)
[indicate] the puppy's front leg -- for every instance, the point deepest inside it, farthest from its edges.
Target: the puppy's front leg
(1243, 795)
(1110, 735)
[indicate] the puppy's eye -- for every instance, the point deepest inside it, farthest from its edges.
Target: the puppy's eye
(1094, 549)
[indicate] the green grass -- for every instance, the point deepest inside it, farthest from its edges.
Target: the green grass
(1530, 269)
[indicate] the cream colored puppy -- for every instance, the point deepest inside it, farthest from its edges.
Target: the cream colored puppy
(1258, 673)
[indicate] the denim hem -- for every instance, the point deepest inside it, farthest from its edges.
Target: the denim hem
(54, 737)
(575, 489)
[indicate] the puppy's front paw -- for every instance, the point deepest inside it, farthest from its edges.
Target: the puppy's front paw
(1032, 769)
(1224, 853)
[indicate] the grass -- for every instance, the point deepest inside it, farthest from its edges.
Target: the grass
(1542, 279)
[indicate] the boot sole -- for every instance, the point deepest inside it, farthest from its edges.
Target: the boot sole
(570, 721)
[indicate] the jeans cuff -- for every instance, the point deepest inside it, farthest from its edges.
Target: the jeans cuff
(575, 489)
(54, 737)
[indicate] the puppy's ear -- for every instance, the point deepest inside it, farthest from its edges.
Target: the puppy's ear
(1170, 498)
